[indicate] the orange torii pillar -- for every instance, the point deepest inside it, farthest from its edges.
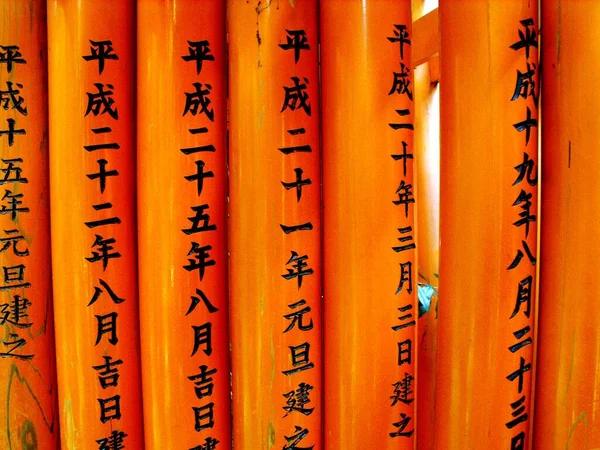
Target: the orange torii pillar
(370, 274)
(427, 189)
(275, 225)
(567, 410)
(28, 402)
(489, 97)
(182, 214)
(92, 182)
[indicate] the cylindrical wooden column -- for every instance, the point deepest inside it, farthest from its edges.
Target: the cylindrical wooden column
(488, 208)
(275, 225)
(92, 179)
(369, 239)
(427, 160)
(567, 408)
(182, 210)
(28, 408)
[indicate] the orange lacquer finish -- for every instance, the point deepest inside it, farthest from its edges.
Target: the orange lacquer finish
(488, 223)
(370, 274)
(94, 254)
(182, 211)
(275, 224)
(428, 224)
(567, 409)
(28, 402)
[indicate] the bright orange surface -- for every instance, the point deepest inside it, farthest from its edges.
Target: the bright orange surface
(28, 404)
(72, 24)
(165, 201)
(480, 149)
(360, 183)
(567, 397)
(428, 225)
(260, 250)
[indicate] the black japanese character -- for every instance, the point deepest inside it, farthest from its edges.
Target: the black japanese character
(294, 440)
(9, 97)
(524, 202)
(201, 297)
(113, 442)
(405, 352)
(101, 51)
(107, 324)
(298, 399)
(527, 37)
(403, 390)
(296, 317)
(203, 417)
(405, 318)
(296, 40)
(401, 36)
(200, 222)
(523, 297)
(103, 222)
(202, 259)
(101, 102)
(199, 51)
(518, 413)
(12, 172)
(526, 169)
(15, 312)
(405, 156)
(10, 55)
(297, 184)
(300, 359)
(199, 99)
(299, 268)
(203, 382)
(203, 338)
(110, 408)
(11, 132)
(405, 277)
(102, 174)
(525, 125)
(402, 424)
(11, 240)
(98, 292)
(108, 373)
(15, 343)
(405, 196)
(296, 96)
(199, 176)
(519, 373)
(104, 251)
(401, 84)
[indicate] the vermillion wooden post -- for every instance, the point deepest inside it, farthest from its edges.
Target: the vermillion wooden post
(92, 179)
(489, 91)
(27, 366)
(370, 267)
(275, 225)
(567, 407)
(183, 223)
(428, 223)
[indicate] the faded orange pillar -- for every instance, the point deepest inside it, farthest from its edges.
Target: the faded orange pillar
(275, 225)
(28, 402)
(94, 252)
(182, 211)
(488, 221)
(370, 275)
(567, 410)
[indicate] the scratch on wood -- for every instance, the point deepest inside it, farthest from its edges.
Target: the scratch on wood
(569, 154)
